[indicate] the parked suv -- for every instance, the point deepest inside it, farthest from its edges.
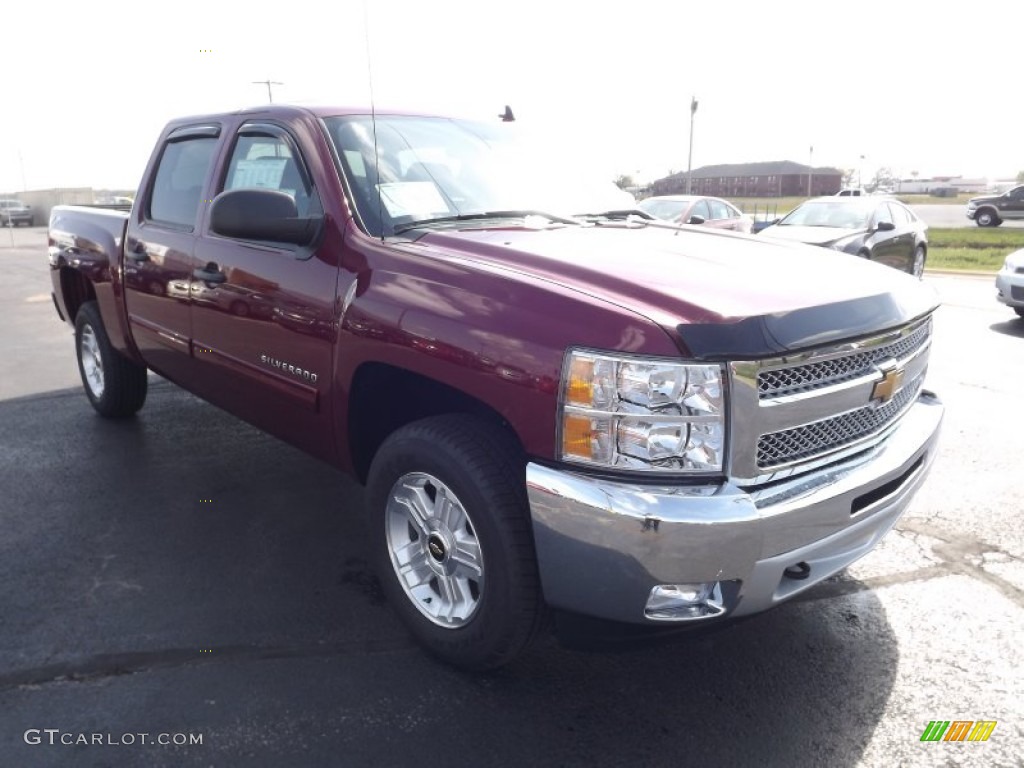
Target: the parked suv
(992, 210)
(14, 212)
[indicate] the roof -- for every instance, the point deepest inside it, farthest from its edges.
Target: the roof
(769, 168)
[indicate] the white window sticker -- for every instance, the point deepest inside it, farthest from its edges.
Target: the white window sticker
(419, 199)
(265, 173)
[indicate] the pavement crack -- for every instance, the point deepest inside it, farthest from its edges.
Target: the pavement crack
(965, 555)
(103, 666)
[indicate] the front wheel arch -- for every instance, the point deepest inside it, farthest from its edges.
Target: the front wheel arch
(987, 217)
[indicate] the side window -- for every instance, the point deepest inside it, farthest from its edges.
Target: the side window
(900, 215)
(179, 180)
(266, 162)
(1017, 194)
(700, 208)
(719, 210)
(882, 213)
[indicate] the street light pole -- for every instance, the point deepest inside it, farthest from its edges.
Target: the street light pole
(689, 159)
(810, 170)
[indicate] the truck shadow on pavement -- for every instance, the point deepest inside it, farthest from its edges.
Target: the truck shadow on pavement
(1013, 327)
(183, 572)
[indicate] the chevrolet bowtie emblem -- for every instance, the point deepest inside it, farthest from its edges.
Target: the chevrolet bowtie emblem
(892, 379)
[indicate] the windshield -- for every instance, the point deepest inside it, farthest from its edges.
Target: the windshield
(847, 215)
(428, 168)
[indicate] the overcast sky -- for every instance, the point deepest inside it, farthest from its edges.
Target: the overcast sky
(933, 87)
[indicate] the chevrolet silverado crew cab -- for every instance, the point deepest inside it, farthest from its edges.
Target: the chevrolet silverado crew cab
(554, 404)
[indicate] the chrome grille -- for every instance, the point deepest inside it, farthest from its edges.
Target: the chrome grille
(808, 440)
(825, 373)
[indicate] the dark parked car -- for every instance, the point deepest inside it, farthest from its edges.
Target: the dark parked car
(992, 210)
(878, 229)
(15, 212)
(692, 209)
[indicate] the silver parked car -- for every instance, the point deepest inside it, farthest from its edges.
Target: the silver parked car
(1010, 282)
(696, 209)
(15, 212)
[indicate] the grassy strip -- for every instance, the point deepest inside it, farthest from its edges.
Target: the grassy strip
(977, 237)
(977, 259)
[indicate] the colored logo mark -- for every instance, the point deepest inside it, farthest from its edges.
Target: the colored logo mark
(958, 730)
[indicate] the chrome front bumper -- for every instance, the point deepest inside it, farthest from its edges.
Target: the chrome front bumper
(602, 546)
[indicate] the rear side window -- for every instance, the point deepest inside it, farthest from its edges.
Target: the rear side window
(179, 180)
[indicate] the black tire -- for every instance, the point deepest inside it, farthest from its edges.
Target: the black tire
(240, 309)
(865, 255)
(483, 472)
(1019, 311)
(120, 389)
(917, 265)
(986, 217)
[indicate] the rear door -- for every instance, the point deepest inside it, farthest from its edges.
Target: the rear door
(263, 312)
(159, 247)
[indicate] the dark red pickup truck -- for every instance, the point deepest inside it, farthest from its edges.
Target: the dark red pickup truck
(552, 404)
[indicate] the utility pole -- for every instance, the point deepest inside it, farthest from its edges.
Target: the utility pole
(689, 159)
(810, 171)
(268, 83)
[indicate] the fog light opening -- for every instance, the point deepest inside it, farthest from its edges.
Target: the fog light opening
(685, 602)
(798, 571)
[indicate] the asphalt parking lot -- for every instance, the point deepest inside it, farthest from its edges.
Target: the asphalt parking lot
(182, 574)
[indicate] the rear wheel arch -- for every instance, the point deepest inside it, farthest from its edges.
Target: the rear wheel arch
(116, 386)
(76, 290)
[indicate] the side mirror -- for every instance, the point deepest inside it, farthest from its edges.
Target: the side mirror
(695, 219)
(261, 214)
(885, 226)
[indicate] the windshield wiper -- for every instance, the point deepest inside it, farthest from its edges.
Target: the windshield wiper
(511, 214)
(619, 214)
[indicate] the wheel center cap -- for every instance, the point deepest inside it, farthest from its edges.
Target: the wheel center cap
(436, 547)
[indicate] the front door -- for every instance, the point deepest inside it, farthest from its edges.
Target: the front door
(1013, 205)
(263, 312)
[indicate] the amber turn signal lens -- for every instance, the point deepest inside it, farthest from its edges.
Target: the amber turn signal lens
(580, 389)
(577, 437)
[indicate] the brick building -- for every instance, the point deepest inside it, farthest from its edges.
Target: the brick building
(781, 178)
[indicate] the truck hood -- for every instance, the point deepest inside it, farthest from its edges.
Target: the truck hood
(720, 295)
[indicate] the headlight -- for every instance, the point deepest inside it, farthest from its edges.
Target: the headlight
(848, 244)
(642, 414)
